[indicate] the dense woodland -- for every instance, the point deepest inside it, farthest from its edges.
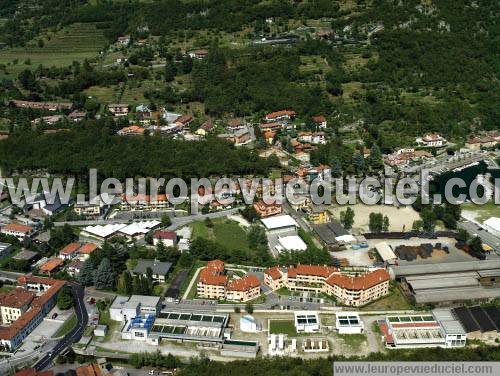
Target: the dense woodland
(122, 157)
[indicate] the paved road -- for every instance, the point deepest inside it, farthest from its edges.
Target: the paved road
(487, 237)
(177, 222)
(11, 276)
(74, 335)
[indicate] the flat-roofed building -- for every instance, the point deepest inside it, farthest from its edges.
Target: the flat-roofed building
(280, 224)
(423, 330)
(348, 323)
(306, 321)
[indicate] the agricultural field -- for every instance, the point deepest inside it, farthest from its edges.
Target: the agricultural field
(76, 42)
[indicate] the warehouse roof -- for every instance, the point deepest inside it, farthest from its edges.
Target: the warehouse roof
(446, 267)
(279, 221)
(385, 252)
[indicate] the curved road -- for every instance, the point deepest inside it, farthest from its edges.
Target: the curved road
(75, 334)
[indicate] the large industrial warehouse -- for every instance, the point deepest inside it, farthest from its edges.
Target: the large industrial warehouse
(450, 282)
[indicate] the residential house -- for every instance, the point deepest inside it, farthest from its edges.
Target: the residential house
(318, 214)
(266, 210)
(124, 40)
(74, 267)
(167, 238)
(70, 251)
(144, 202)
(274, 126)
(243, 289)
(48, 120)
(132, 130)
(432, 140)
(77, 116)
(235, 123)
(118, 109)
(44, 204)
(318, 138)
(86, 250)
(269, 136)
(238, 137)
(206, 128)
(274, 278)
(320, 121)
(199, 54)
(488, 140)
(52, 266)
(49, 106)
(280, 115)
(159, 270)
(183, 121)
(17, 230)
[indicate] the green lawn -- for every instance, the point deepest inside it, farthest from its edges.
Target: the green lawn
(395, 300)
(68, 325)
(104, 319)
(282, 327)
(75, 42)
(353, 341)
(226, 232)
(482, 212)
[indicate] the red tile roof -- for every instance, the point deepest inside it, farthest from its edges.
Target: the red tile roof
(17, 228)
(212, 274)
(16, 298)
(33, 372)
(319, 119)
(51, 265)
(165, 235)
(312, 270)
(273, 272)
(89, 370)
(277, 114)
(362, 282)
(243, 284)
(38, 303)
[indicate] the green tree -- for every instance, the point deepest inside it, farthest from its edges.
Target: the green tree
(375, 158)
(105, 276)
(170, 71)
(65, 298)
(87, 273)
(385, 226)
(376, 222)
(256, 237)
(347, 218)
(165, 221)
(249, 308)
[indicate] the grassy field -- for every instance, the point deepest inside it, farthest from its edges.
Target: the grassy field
(75, 42)
(282, 327)
(482, 212)
(395, 300)
(7, 288)
(226, 232)
(353, 341)
(68, 325)
(104, 319)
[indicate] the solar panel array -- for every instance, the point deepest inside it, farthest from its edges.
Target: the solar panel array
(478, 318)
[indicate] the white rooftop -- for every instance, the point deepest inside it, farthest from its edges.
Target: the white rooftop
(493, 222)
(345, 238)
(278, 222)
(104, 231)
(137, 228)
(385, 252)
(292, 242)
